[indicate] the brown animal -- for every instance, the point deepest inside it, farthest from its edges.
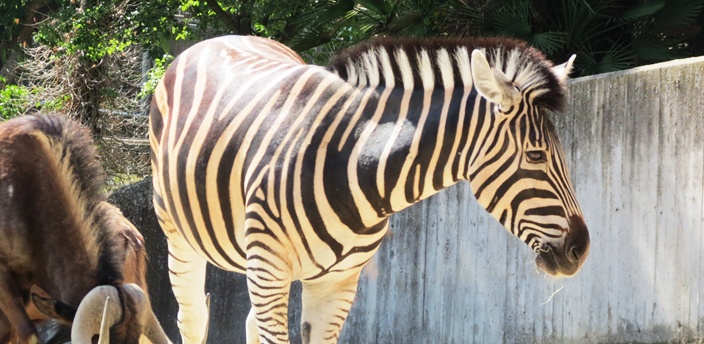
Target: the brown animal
(60, 235)
(135, 271)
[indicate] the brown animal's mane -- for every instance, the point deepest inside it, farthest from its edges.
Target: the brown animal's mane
(71, 163)
(525, 65)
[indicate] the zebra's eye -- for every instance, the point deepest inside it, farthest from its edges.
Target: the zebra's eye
(536, 156)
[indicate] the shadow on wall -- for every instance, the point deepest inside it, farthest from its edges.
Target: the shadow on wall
(229, 299)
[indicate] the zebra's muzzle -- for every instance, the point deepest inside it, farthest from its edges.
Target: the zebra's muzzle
(568, 258)
(557, 264)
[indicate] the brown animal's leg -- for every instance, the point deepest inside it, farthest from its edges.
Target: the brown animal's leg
(12, 306)
(5, 330)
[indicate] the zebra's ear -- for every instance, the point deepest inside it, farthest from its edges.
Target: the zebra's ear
(492, 83)
(563, 71)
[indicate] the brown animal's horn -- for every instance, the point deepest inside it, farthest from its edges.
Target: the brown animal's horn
(150, 325)
(105, 323)
(102, 302)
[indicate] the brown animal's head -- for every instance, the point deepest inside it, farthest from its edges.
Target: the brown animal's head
(110, 314)
(127, 310)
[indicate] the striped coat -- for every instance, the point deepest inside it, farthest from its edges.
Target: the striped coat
(281, 170)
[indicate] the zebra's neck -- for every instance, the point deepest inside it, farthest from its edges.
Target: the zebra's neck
(414, 142)
(420, 144)
(426, 123)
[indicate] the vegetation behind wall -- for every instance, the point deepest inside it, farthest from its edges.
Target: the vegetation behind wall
(91, 59)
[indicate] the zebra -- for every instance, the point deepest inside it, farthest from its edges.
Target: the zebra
(284, 171)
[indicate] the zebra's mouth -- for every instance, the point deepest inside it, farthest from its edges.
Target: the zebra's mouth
(565, 258)
(558, 262)
(546, 260)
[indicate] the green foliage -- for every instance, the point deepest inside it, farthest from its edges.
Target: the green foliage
(276, 19)
(16, 100)
(643, 10)
(13, 100)
(606, 35)
(110, 26)
(331, 25)
(11, 15)
(155, 74)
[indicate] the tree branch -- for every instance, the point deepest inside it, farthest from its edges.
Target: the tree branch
(231, 22)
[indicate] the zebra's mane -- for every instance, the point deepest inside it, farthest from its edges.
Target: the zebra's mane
(386, 61)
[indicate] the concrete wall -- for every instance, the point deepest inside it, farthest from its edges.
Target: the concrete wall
(448, 273)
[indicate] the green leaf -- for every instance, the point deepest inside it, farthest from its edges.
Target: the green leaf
(644, 9)
(514, 20)
(678, 12)
(155, 74)
(379, 7)
(615, 59)
(14, 100)
(651, 48)
(548, 42)
(408, 24)
(326, 12)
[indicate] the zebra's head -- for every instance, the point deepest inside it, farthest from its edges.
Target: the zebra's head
(520, 175)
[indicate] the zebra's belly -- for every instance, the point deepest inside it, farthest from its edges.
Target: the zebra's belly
(298, 249)
(202, 225)
(226, 232)
(217, 246)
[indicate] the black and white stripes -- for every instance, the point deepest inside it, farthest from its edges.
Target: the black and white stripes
(285, 171)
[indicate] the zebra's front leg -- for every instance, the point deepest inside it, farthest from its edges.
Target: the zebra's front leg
(187, 274)
(326, 305)
(251, 328)
(269, 284)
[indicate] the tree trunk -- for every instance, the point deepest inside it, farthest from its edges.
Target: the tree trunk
(22, 39)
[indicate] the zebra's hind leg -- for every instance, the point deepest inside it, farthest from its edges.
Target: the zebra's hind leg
(326, 305)
(187, 273)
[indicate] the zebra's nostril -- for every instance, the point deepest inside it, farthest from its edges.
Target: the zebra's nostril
(572, 254)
